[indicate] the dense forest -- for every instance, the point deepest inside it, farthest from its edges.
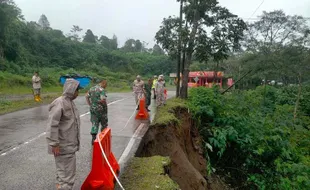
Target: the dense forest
(26, 47)
(255, 139)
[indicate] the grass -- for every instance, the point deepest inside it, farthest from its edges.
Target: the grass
(148, 173)
(166, 115)
(20, 97)
(8, 106)
(24, 90)
(48, 95)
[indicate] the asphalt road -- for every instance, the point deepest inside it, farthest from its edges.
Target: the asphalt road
(24, 162)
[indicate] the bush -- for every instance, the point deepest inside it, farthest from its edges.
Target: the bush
(251, 137)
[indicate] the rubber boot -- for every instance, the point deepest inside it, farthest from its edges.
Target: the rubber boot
(147, 108)
(93, 139)
(36, 98)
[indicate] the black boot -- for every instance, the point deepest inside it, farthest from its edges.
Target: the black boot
(93, 139)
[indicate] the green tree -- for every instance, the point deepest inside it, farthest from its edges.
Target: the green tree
(105, 42)
(114, 43)
(138, 46)
(226, 33)
(295, 62)
(129, 45)
(75, 30)
(25, 47)
(9, 16)
(89, 37)
(43, 22)
(268, 36)
(275, 29)
(157, 50)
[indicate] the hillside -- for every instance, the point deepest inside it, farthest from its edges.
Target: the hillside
(26, 47)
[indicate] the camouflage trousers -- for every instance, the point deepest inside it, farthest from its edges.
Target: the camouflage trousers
(148, 100)
(160, 99)
(98, 118)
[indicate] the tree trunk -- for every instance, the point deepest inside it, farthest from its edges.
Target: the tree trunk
(179, 50)
(189, 53)
(184, 91)
(183, 61)
(184, 53)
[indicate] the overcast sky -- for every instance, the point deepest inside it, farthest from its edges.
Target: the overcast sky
(138, 19)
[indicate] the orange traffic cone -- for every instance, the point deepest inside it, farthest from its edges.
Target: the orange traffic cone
(142, 113)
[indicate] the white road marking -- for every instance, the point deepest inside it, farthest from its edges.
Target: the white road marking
(108, 105)
(17, 147)
(40, 135)
(130, 144)
(127, 121)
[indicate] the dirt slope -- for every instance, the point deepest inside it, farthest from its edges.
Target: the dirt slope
(183, 145)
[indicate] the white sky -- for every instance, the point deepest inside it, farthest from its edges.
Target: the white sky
(138, 19)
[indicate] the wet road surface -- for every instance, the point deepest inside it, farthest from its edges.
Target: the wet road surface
(24, 162)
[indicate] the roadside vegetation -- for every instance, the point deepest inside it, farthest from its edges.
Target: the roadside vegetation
(28, 46)
(10, 105)
(255, 139)
(148, 173)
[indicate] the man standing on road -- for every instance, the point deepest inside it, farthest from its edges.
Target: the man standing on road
(160, 91)
(148, 93)
(97, 100)
(138, 89)
(63, 134)
(153, 87)
(36, 85)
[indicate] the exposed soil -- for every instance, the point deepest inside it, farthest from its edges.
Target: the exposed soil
(183, 145)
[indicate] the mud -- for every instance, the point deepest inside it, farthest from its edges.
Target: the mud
(183, 145)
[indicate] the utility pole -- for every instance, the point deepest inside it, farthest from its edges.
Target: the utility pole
(179, 49)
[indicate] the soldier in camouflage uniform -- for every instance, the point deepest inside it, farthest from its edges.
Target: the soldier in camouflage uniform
(148, 93)
(160, 91)
(138, 89)
(96, 99)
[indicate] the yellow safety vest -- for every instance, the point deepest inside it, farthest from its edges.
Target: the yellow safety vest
(154, 83)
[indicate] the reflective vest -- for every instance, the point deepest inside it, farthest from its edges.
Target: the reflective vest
(154, 83)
